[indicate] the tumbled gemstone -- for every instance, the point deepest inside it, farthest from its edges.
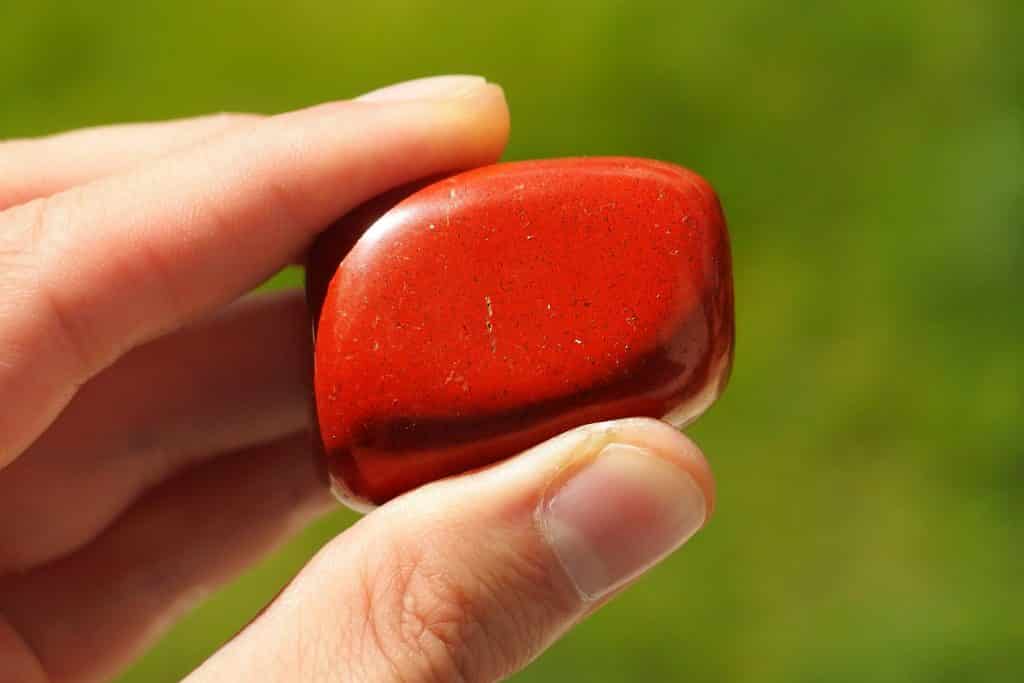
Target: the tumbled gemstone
(483, 313)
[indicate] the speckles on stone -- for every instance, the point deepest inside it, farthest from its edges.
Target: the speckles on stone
(520, 300)
(490, 326)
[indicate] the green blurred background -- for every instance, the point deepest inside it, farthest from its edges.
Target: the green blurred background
(869, 157)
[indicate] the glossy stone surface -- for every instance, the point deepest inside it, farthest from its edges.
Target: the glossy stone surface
(491, 310)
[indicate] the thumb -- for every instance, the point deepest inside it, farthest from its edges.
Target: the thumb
(470, 578)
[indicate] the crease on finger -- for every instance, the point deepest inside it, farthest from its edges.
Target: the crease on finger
(91, 613)
(166, 406)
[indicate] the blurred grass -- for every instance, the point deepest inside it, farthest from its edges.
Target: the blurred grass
(870, 452)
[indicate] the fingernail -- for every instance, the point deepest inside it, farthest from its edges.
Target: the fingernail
(618, 515)
(435, 87)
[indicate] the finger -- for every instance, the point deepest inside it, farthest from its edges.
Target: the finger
(236, 380)
(91, 272)
(84, 617)
(471, 578)
(39, 167)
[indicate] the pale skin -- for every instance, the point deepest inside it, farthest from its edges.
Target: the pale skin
(154, 431)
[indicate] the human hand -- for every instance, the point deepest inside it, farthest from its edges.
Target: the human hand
(154, 428)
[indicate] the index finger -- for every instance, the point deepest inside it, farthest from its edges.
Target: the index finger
(37, 167)
(98, 269)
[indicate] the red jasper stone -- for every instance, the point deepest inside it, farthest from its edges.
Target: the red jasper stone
(486, 312)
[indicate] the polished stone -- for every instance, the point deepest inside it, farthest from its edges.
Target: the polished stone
(488, 311)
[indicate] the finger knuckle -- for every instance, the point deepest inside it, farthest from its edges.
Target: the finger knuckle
(29, 248)
(439, 609)
(420, 618)
(20, 230)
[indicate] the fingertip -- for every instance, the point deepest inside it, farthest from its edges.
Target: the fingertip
(445, 133)
(484, 118)
(497, 100)
(627, 494)
(480, 107)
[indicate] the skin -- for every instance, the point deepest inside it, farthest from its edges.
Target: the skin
(126, 256)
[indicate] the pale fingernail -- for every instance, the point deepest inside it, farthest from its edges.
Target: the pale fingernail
(618, 515)
(434, 87)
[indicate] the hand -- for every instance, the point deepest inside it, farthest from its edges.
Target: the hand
(154, 429)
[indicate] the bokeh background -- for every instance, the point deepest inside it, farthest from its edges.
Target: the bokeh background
(870, 450)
